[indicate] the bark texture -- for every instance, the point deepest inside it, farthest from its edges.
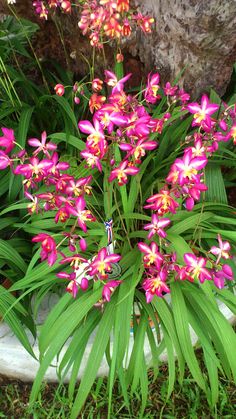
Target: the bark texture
(197, 35)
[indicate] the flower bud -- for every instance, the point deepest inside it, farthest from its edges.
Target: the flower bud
(83, 245)
(59, 89)
(77, 100)
(119, 58)
(84, 284)
(97, 85)
(66, 6)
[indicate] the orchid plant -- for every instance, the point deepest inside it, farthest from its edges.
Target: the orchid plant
(124, 214)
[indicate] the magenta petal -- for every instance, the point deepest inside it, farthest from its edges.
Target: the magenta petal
(164, 222)
(219, 282)
(190, 259)
(143, 247)
(193, 107)
(199, 163)
(149, 297)
(34, 142)
(215, 250)
(86, 127)
(189, 204)
(228, 271)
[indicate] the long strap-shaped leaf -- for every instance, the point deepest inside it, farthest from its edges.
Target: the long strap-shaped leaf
(68, 321)
(182, 328)
(95, 357)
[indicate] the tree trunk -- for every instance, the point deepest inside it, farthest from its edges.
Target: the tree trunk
(197, 35)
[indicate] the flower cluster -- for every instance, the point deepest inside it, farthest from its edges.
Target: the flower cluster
(184, 186)
(124, 120)
(65, 195)
(117, 139)
(111, 19)
(42, 8)
(100, 19)
(160, 267)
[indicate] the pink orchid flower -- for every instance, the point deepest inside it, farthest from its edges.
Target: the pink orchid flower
(91, 160)
(155, 285)
(151, 254)
(108, 289)
(7, 140)
(150, 94)
(156, 226)
(80, 212)
(202, 112)
(5, 160)
(122, 171)
(189, 166)
(170, 90)
(96, 134)
(112, 81)
(79, 187)
(48, 245)
(57, 165)
(220, 276)
(73, 286)
(162, 202)
(41, 145)
(74, 261)
(222, 251)
(196, 267)
(35, 168)
(102, 264)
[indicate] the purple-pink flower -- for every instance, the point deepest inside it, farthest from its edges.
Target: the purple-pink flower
(48, 246)
(195, 266)
(222, 251)
(156, 226)
(102, 264)
(202, 113)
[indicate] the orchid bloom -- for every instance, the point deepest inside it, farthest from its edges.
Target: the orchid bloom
(5, 160)
(7, 140)
(201, 113)
(155, 285)
(109, 288)
(101, 265)
(151, 254)
(162, 202)
(189, 166)
(150, 94)
(74, 261)
(196, 267)
(72, 287)
(80, 212)
(112, 81)
(122, 171)
(156, 226)
(48, 245)
(79, 187)
(35, 167)
(222, 251)
(95, 102)
(220, 276)
(41, 145)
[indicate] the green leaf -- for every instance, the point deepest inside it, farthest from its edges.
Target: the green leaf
(12, 257)
(95, 357)
(182, 328)
(214, 180)
(63, 328)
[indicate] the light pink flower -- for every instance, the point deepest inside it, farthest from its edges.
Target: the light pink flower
(222, 251)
